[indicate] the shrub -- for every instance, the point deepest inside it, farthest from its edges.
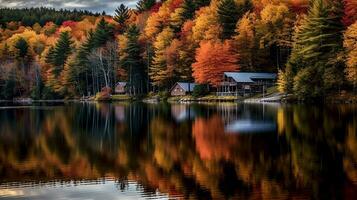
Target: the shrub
(104, 95)
(200, 90)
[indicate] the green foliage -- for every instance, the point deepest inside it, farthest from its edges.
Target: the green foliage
(318, 43)
(201, 3)
(228, 15)
(58, 55)
(9, 89)
(102, 33)
(22, 47)
(133, 62)
(200, 90)
(42, 15)
(122, 15)
(189, 8)
(144, 5)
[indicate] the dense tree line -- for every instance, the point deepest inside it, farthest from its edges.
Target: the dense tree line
(310, 43)
(42, 15)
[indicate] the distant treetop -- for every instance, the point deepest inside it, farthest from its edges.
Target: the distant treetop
(41, 15)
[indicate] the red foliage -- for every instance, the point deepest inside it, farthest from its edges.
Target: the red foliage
(186, 28)
(105, 94)
(175, 4)
(350, 12)
(212, 60)
(156, 7)
(69, 23)
(299, 6)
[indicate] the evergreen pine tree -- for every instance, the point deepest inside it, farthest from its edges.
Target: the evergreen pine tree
(122, 15)
(228, 15)
(144, 5)
(317, 44)
(133, 62)
(22, 54)
(102, 33)
(189, 8)
(201, 3)
(59, 54)
(22, 48)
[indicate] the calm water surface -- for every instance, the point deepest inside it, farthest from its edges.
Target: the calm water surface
(178, 151)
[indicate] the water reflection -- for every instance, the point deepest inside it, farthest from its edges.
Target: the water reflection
(255, 151)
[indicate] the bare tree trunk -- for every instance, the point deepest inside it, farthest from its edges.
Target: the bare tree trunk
(102, 67)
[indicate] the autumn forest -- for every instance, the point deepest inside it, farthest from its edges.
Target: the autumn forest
(65, 54)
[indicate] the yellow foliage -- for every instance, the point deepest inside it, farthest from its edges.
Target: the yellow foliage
(122, 41)
(157, 20)
(65, 29)
(274, 13)
(350, 44)
(206, 24)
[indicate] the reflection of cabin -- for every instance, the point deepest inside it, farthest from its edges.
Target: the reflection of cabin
(181, 89)
(120, 88)
(244, 83)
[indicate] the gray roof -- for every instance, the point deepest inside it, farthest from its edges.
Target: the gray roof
(248, 77)
(188, 87)
(121, 83)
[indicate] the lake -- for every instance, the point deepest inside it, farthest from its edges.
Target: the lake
(177, 151)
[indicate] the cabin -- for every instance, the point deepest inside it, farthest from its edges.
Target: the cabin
(245, 83)
(182, 89)
(120, 88)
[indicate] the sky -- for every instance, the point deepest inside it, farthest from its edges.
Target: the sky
(92, 5)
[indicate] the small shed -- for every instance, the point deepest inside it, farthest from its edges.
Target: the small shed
(182, 88)
(120, 88)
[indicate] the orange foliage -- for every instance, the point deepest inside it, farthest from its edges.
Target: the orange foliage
(187, 28)
(175, 4)
(210, 133)
(212, 60)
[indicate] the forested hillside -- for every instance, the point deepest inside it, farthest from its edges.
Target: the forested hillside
(48, 54)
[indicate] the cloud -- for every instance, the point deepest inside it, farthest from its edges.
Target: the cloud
(93, 5)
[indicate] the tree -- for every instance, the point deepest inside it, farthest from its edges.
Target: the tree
(158, 71)
(133, 62)
(103, 32)
(9, 89)
(145, 5)
(318, 42)
(58, 55)
(22, 48)
(274, 33)
(122, 14)
(228, 15)
(22, 53)
(212, 60)
(350, 44)
(206, 25)
(244, 41)
(189, 8)
(201, 3)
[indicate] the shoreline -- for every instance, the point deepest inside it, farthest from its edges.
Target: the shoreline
(272, 98)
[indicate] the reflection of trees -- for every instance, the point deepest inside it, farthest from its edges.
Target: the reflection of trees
(316, 138)
(193, 157)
